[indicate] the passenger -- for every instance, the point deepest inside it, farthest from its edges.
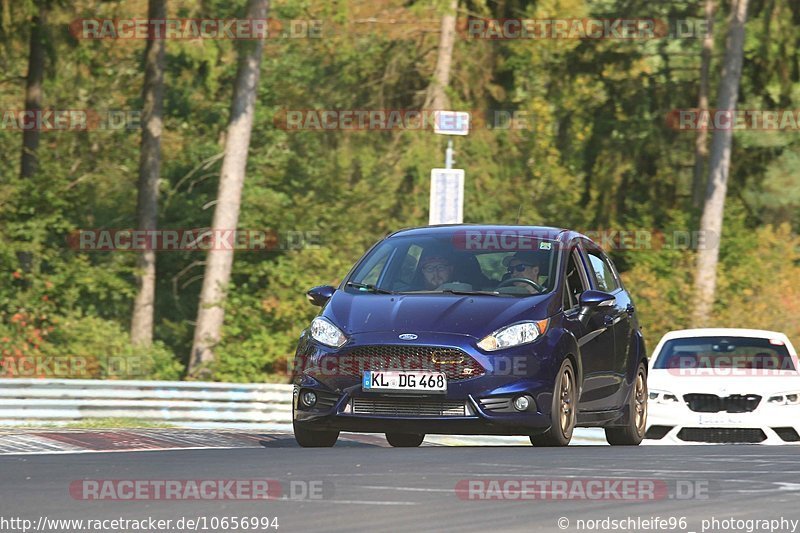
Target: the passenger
(525, 265)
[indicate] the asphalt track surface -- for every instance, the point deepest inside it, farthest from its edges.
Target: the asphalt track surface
(367, 486)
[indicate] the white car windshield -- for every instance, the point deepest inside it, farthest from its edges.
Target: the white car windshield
(725, 352)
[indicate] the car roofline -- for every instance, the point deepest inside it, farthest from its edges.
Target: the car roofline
(721, 332)
(559, 232)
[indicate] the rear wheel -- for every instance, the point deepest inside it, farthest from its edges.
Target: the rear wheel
(563, 411)
(315, 439)
(633, 433)
(405, 440)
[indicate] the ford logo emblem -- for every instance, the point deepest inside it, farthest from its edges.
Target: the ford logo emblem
(408, 336)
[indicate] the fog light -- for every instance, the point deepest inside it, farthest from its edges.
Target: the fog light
(309, 398)
(521, 403)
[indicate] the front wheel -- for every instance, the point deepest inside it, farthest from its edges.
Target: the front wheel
(404, 440)
(314, 439)
(563, 410)
(633, 432)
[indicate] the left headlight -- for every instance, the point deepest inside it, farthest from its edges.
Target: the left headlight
(787, 398)
(514, 335)
(326, 333)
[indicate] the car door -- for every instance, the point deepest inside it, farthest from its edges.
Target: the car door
(595, 343)
(616, 318)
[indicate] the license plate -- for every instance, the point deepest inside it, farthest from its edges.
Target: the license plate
(406, 381)
(719, 419)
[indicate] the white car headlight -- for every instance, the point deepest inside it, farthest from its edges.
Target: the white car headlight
(326, 333)
(787, 398)
(514, 335)
(660, 396)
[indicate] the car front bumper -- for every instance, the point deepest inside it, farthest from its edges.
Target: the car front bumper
(479, 402)
(677, 424)
(475, 420)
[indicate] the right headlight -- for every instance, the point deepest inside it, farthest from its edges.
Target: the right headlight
(323, 331)
(786, 398)
(660, 396)
(514, 335)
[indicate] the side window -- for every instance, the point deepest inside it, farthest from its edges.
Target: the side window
(602, 271)
(409, 266)
(574, 284)
(372, 270)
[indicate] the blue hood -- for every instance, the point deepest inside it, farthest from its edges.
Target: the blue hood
(476, 316)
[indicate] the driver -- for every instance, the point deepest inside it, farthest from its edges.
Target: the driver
(436, 270)
(524, 265)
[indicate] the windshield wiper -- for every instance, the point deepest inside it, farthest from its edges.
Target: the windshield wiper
(470, 293)
(368, 287)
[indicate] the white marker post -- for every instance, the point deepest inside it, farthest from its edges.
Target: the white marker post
(447, 184)
(447, 196)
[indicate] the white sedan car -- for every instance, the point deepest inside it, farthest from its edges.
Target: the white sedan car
(724, 386)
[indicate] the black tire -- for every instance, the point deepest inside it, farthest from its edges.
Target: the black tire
(404, 440)
(315, 439)
(563, 410)
(632, 433)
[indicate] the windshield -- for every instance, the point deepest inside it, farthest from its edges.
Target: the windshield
(428, 264)
(741, 353)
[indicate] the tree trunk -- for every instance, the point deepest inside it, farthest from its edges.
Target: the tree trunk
(149, 173)
(33, 90)
(210, 313)
(436, 97)
(6, 17)
(711, 222)
(701, 142)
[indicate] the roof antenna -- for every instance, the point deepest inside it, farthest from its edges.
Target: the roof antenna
(519, 214)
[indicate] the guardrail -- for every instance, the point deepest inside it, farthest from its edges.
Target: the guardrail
(63, 400)
(192, 404)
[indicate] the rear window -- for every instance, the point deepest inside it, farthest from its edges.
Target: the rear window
(743, 353)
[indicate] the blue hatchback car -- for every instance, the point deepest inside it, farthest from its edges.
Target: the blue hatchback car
(490, 330)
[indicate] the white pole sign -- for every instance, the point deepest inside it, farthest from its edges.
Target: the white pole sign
(447, 196)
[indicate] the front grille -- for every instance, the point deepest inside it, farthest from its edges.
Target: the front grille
(722, 435)
(711, 403)
(407, 407)
(456, 364)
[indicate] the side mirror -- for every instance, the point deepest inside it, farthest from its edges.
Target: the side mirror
(319, 296)
(592, 299)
